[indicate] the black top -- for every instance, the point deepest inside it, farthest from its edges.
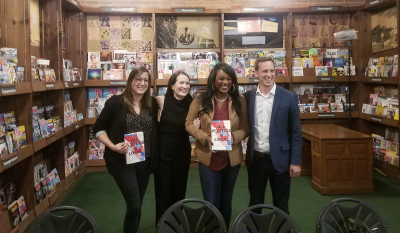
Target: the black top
(113, 120)
(173, 137)
(141, 123)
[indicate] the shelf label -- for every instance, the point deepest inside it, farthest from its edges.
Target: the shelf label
(75, 84)
(77, 173)
(376, 80)
(373, 2)
(114, 9)
(325, 78)
(76, 126)
(49, 86)
(376, 119)
(117, 83)
(253, 80)
(323, 115)
(256, 9)
(191, 10)
(66, 84)
(324, 8)
(10, 162)
(194, 81)
(8, 90)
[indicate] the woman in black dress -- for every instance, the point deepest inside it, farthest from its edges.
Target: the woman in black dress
(170, 178)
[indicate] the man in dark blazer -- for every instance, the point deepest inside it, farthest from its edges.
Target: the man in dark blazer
(275, 143)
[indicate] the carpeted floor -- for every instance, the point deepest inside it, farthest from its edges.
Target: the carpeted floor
(98, 194)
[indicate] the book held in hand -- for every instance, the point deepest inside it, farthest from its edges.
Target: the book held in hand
(136, 151)
(221, 135)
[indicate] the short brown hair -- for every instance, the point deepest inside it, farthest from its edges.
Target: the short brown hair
(263, 59)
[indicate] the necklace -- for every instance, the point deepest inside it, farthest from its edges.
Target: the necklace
(221, 100)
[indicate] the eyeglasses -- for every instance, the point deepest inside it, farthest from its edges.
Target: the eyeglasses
(139, 81)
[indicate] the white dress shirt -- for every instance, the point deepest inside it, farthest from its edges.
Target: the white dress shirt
(262, 119)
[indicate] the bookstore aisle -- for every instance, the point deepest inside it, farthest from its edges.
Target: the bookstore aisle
(58, 68)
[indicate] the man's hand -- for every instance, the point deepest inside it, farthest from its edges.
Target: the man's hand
(294, 170)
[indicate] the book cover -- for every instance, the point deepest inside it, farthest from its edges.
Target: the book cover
(11, 142)
(296, 53)
(318, 89)
(116, 74)
(14, 214)
(49, 112)
(373, 72)
(203, 69)
(3, 147)
(2, 125)
(136, 151)
(329, 89)
(388, 71)
(10, 192)
(313, 53)
(221, 135)
(307, 63)
(301, 108)
(93, 74)
(23, 212)
(20, 72)
(321, 70)
(67, 96)
(306, 89)
(395, 70)
(93, 56)
(296, 62)
(338, 61)
(3, 200)
(340, 98)
(317, 62)
(338, 71)
(281, 72)
(239, 72)
(43, 128)
(95, 93)
(249, 73)
(304, 53)
(93, 65)
(381, 61)
(381, 71)
(331, 53)
(328, 98)
(323, 108)
(328, 62)
(49, 182)
(50, 126)
(20, 134)
(297, 71)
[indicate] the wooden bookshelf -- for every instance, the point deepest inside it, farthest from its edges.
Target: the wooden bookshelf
(75, 126)
(380, 80)
(74, 84)
(105, 83)
(15, 158)
(330, 115)
(323, 79)
(47, 86)
(90, 121)
(15, 89)
(380, 120)
(95, 162)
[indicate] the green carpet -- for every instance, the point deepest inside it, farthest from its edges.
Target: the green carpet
(98, 194)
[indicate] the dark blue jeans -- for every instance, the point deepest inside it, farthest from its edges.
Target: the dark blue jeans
(217, 187)
(133, 183)
(259, 173)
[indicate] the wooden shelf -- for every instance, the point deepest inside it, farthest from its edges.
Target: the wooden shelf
(76, 84)
(200, 81)
(42, 206)
(57, 193)
(379, 80)
(39, 144)
(47, 86)
(323, 79)
(15, 89)
(216, 50)
(95, 163)
(55, 136)
(71, 5)
(105, 83)
(90, 121)
(379, 5)
(25, 223)
(16, 157)
(329, 115)
(73, 127)
(379, 119)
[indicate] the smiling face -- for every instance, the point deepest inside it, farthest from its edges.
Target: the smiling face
(266, 74)
(140, 83)
(222, 82)
(181, 87)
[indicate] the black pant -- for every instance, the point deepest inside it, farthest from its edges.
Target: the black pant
(170, 181)
(260, 171)
(133, 183)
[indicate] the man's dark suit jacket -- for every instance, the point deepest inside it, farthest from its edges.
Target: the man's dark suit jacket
(113, 120)
(285, 137)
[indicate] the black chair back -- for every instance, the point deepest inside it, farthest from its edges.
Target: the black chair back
(63, 219)
(350, 215)
(252, 220)
(180, 218)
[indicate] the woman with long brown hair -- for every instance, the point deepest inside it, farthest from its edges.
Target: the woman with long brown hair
(134, 110)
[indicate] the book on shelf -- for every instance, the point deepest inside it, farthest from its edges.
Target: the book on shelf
(221, 135)
(307, 63)
(22, 208)
(3, 147)
(14, 214)
(93, 74)
(323, 108)
(338, 71)
(321, 70)
(281, 72)
(297, 71)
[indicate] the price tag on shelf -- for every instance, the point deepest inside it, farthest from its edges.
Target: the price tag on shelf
(75, 84)
(376, 80)
(117, 83)
(8, 90)
(326, 115)
(10, 162)
(49, 86)
(376, 119)
(325, 78)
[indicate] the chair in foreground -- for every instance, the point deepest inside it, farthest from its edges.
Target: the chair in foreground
(273, 221)
(350, 215)
(181, 218)
(63, 219)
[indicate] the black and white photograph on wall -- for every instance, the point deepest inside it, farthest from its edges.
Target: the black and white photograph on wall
(384, 30)
(166, 32)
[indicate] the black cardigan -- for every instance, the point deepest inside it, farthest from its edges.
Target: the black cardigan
(113, 120)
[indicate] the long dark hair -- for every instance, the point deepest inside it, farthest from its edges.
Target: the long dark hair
(206, 97)
(145, 101)
(172, 81)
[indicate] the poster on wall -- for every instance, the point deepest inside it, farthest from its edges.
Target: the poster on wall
(253, 32)
(384, 30)
(310, 31)
(35, 22)
(109, 33)
(187, 32)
